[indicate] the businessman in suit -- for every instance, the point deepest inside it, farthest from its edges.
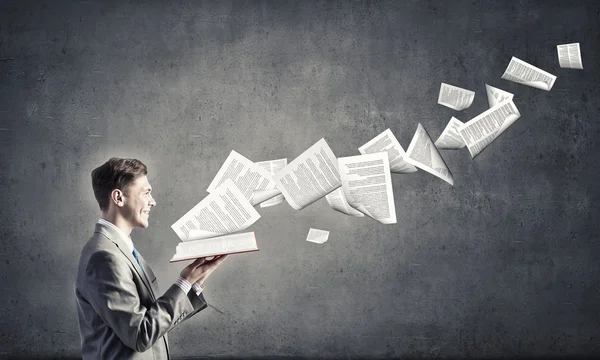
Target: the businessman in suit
(120, 313)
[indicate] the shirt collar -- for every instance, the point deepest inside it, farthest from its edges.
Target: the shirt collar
(126, 239)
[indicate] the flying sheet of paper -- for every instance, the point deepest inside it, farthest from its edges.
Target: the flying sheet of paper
(262, 196)
(244, 173)
(450, 138)
(386, 141)
(480, 131)
(569, 56)
(526, 74)
(225, 210)
(317, 236)
(338, 202)
(367, 185)
(495, 96)
(423, 154)
(454, 97)
(272, 166)
(311, 176)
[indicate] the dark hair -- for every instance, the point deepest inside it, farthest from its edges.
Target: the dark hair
(116, 173)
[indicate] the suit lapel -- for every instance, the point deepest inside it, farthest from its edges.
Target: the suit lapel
(115, 238)
(149, 274)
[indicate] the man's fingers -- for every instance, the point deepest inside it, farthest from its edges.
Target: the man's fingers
(215, 259)
(198, 262)
(218, 261)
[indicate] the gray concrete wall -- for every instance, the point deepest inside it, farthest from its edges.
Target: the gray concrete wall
(504, 263)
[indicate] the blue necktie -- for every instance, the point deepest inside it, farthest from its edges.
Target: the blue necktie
(136, 256)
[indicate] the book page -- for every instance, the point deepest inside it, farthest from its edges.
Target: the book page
(224, 211)
(338, 202)
(367, 185)
(523, 73)
(423, 154)
(244, 173)
(272, 166)
(495, 96)
(480, 131)
(450, 138)
(569, 56)
(317, 236)
(228, 244)
(454, 97)
(310, 176)
(386, 141)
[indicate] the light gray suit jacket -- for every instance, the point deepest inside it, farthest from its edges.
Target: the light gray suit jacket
(120, 316)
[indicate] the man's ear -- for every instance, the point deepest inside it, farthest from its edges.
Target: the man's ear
(116, 197)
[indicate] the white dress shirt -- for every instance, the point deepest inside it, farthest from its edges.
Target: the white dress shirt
(181, 282)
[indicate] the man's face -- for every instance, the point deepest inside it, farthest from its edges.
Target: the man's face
(137, 203)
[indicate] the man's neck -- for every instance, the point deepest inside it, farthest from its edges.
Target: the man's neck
(118, 221)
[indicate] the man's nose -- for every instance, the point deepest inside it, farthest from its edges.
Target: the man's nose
(152, 201)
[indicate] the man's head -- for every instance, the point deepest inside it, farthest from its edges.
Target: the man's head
(122, 189)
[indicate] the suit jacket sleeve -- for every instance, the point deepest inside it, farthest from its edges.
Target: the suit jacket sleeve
(198, 302)
(114, 296)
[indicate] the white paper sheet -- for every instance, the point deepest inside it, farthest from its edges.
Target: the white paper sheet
(495, 96)
(272, 166)
(244, 173)
(338, 202)
(311, 176)
(526, 74)
(480, 131)
(423, 154)
(367, 185)
(450, 138)
(454, 97)
(569, 56)
(224, 211)
(317, 236)
(262, 196)
(386, 141)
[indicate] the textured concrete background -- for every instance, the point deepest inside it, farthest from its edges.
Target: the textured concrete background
(504, 263)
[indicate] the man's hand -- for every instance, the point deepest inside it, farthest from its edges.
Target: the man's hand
(200, 269)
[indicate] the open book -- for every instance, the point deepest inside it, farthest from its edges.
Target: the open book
(228, 244)
(204, 229)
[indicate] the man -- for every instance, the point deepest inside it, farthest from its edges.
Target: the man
(120, 313)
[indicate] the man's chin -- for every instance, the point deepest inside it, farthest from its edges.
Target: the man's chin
(143, 224)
